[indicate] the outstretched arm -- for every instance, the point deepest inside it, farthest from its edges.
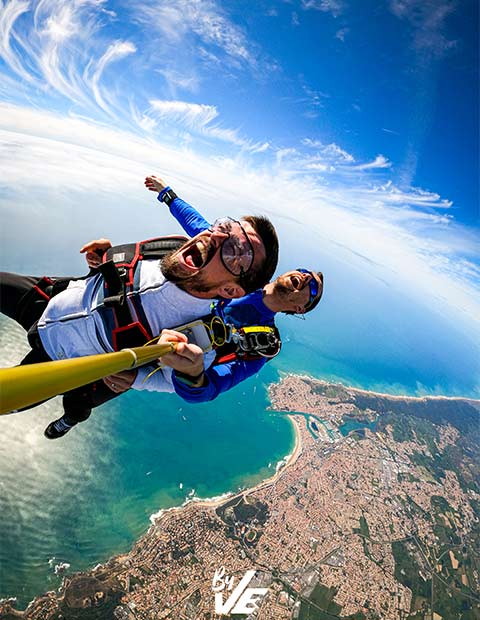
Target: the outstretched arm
(187, 216)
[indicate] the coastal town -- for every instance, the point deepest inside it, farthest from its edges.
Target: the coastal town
(374, 515)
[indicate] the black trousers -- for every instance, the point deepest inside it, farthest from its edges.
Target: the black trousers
(23, 299)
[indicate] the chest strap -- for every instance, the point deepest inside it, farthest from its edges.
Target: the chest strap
(131, 328)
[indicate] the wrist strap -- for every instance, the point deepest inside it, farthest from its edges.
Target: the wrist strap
(167, 195)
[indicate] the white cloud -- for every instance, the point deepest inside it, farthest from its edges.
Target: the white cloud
(198, 117)
(379, 162)
(66, 57)
(428, 18)
(116, 51)
(335, 152)
(202, 18)
(335, 7)
(8, 16)
(260, 147)
(318, 166)
(178, 80)
(314, 100)
(56, 49)
(341, 34)
(328, 158)
(58, 24)
(192, 115)
(400, 232)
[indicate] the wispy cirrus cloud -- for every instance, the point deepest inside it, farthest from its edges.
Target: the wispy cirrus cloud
(55, 48)
(313, 101)
(61, 46)
(178, 81)
(335, 7)
(331, 151)
(60, 27)
(427, 19)
(191, 115)
(116, 51)
(64, 47)
(205, 22)
(198, 118)
(330, 159)
(9, 14)
(403, 232)
(341, 34)
(380, 161)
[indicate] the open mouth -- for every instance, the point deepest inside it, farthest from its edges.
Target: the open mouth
(194, 257)
(296, 282)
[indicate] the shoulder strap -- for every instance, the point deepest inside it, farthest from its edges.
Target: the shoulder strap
(128, 254)
(118, 270)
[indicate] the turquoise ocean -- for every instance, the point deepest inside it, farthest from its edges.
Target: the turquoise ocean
(78, 501)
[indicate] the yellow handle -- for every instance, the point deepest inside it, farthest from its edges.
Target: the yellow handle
(22, 386)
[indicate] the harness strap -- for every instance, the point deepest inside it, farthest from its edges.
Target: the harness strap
(131, 326)
(118, 271)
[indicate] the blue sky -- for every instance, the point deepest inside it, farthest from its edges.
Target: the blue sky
(392, 82)
(354, 125)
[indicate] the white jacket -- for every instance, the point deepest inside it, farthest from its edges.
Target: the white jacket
(71, 326)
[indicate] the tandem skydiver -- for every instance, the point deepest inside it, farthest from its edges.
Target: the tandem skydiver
(175, 282)
(193, 377)
(294, 292)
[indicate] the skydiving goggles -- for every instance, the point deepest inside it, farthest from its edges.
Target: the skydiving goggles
(313, 286)
(236, 250)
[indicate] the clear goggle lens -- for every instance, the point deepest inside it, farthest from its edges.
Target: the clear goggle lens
(236, 251)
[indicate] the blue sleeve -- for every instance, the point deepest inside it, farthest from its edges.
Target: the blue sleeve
(218, 379)
(189, 218)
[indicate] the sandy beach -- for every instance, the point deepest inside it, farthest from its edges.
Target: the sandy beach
(377, 393)
(190, 504)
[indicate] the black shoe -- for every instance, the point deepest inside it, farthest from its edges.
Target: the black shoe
(57, 429)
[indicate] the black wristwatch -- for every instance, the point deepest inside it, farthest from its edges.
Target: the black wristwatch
(167, 196)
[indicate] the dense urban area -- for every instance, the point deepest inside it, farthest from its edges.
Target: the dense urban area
(375, 515)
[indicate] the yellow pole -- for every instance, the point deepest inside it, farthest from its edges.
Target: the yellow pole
(22, 386)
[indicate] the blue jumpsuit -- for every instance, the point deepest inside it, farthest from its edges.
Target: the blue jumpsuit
(248, 310)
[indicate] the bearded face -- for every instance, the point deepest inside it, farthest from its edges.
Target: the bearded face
(283, 286)
(293, 290)
(185, 266)
(205, 264)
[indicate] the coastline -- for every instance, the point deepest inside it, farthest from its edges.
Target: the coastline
(186, 531)
(289, 459)
(191, 504)
(188, 507)
(375, 392)
(214, 502)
